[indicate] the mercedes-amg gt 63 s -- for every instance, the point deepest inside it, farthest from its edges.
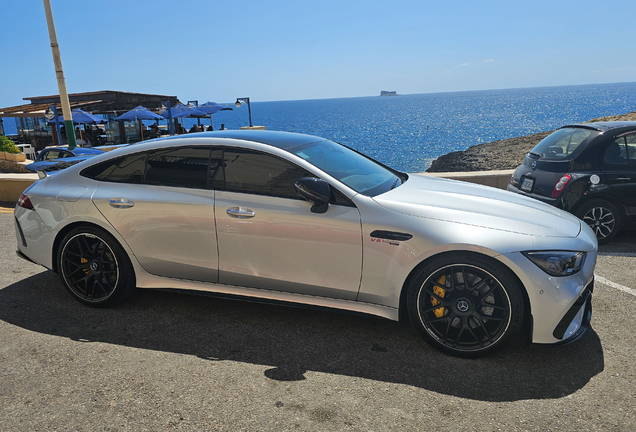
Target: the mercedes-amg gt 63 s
(300, 219)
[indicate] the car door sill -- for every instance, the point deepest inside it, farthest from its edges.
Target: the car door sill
(157, 282)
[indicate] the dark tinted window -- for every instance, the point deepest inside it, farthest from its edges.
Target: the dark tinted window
(616, 152)
(127, 169)
(258, 173)
(562, 144)
(182, 167)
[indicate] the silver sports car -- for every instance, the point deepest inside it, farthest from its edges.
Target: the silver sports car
(302, 220)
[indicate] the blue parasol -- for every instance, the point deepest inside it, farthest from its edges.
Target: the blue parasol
(182, 110)
(82, 117)
(212, 107)
(139, 113)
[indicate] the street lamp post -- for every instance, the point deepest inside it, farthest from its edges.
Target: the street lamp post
(50, 114)
(241, 101)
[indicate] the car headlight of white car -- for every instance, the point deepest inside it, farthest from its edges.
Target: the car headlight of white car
(558, 263)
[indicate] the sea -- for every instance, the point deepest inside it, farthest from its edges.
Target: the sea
(408, 132)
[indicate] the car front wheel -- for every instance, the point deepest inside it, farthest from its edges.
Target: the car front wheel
(602, 216)
(465, 305)
(94, 268)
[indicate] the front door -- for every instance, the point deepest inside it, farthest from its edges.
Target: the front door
(619, 164)
(269, 239)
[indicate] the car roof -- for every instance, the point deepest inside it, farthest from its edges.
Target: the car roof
(76, 150)
(603, 126)
(282, 140)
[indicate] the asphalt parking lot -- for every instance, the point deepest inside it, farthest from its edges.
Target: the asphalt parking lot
(168, 361)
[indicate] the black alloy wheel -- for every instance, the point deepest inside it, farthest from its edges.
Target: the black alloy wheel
(467, 306)
(94, 268)
(602, 216)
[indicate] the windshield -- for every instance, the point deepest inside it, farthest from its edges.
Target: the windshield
(360, 173)
(561, 144)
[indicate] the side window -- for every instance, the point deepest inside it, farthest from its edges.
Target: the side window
(258, 173)
(181, 167)
(616, 152)
(51, 154)
(127, 169)
(631, 149)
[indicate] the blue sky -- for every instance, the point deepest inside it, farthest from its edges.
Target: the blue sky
(287, 50)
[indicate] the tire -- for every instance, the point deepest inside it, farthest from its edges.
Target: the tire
(94, 268)
(466, 305)
(602, 216)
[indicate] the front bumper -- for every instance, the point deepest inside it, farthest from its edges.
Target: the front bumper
(560, 306)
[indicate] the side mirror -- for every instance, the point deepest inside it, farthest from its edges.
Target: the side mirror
(315, 191)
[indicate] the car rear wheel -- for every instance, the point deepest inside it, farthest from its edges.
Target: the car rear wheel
(602, 216)
(466, 305)
(94, 268)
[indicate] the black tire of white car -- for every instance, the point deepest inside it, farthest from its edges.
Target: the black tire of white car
(466, 304)
(94, 268)
(602, 216)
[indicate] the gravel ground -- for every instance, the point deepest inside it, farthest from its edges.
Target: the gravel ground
(168, 361)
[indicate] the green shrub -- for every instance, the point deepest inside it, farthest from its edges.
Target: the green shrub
(8, 146)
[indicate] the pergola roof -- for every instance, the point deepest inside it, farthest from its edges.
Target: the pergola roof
(99, 102)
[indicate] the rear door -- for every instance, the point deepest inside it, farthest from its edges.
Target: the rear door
(160, 203)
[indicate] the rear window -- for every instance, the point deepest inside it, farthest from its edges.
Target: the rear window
(562, 144)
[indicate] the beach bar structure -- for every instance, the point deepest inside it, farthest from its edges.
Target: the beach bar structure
(33, 127)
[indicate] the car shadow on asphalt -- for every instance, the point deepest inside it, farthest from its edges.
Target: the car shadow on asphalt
(292, 341)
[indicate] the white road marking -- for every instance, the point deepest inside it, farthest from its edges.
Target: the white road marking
(615, 285)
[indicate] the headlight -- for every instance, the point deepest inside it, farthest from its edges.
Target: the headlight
(557, 263)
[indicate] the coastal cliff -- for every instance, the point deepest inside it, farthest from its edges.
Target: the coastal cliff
(500, 155)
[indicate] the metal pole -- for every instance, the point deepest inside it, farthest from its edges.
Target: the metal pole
(59, 72)
(57, 124)
(249, 110)
(170, 122)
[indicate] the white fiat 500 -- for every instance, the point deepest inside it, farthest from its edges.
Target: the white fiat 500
(300, 219)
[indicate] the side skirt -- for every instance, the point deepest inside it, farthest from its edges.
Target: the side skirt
(252, 294)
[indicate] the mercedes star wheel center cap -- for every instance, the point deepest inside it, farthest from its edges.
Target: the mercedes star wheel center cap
(463, 305)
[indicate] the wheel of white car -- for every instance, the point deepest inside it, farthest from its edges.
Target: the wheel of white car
(94, 268)
(602, 216)
(465, 304)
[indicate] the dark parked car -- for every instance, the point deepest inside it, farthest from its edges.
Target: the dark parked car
(61, 157)
(587, 169)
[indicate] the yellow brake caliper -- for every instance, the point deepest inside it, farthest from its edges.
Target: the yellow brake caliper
(84, 261)
(440, 292)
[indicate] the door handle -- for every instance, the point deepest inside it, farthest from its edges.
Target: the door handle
(240, 212)
(121, 203)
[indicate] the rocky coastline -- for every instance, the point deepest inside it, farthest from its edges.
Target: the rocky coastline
(500, 155)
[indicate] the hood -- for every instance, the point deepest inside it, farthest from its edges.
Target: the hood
(483, 206)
